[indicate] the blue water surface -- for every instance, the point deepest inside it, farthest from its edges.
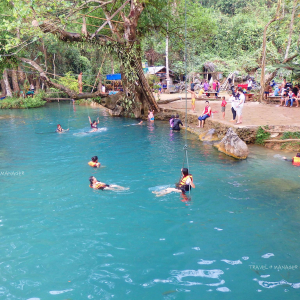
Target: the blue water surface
(236, 237)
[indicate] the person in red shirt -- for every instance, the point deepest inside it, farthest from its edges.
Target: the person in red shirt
(223, 106)
(205, 114)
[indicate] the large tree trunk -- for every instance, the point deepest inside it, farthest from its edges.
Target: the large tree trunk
(291, 29)
(3, 89)
(264, 51)
(21, 75)
(14, 77)
(7, 85)
(37, 84)
(124, 37)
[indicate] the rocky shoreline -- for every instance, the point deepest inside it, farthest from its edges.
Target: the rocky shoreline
(216, 131)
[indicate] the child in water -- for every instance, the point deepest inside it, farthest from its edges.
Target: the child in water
(172, 121)
(97, 185)
(94, 162)
(60, 130)
(223, 106)
(151, 116)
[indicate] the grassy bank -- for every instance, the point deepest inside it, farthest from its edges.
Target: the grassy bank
(12, 102)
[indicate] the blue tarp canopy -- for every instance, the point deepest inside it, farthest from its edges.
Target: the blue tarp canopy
(113, 76)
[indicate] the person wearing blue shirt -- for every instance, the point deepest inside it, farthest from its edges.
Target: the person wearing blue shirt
(276, 92)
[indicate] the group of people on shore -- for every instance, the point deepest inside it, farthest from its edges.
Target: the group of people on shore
(286, 91)
(206, 89)
(237, 100)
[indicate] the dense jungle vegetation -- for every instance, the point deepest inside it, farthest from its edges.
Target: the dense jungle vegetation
(228, 33)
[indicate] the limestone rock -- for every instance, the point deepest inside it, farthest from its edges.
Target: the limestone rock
(233, 146)
(116, 112)
(111, 101)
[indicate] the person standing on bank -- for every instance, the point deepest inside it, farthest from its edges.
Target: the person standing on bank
(239, 106)
(233, 100)
(80, 82)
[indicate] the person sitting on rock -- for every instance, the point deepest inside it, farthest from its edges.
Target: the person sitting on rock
(205, 114)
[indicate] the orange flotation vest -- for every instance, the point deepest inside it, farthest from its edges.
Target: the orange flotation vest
(92, 164)
(184, 179)
(99, 185)
(296, 161)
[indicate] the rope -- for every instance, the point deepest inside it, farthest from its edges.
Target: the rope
(185, 148)
(69, 114)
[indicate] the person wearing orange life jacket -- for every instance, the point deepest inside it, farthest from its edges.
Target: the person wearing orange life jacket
(185, 184)
(94, 162)
(97, 185)
(295, 161)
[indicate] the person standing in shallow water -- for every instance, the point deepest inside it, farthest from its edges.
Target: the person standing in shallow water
(151, 116)
(80, 82)
(176, 123)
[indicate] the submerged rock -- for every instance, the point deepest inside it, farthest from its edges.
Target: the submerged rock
(233, 146)
(209, 136)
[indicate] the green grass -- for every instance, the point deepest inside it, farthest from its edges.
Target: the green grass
(12, 102)
(261, 136)
(290, 135)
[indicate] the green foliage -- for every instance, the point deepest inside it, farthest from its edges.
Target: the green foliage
(152, 80)
(261, 136)
(12, 102)
(290, 135)
(69, 81)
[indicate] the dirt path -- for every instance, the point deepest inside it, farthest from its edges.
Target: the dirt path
(254, 113)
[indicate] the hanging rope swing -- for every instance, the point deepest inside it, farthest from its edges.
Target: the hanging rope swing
(185, 148)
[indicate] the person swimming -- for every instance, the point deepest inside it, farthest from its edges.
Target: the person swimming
(185, 184)
(97, 185)
(94, 162)
(94, 124)
(295, 160)
(60, 130)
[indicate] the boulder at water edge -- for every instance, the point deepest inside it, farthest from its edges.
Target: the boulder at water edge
(233, 146)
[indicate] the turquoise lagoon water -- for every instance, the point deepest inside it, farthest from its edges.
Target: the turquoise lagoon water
(237, 237)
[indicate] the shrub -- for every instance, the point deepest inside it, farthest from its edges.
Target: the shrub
(36, 101)
(261, 136)
(290, 135)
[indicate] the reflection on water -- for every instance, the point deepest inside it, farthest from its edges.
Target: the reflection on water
(235, 236)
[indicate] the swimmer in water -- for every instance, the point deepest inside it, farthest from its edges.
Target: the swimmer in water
(151, 116)
(94, 124)
(295, 160)
(97, 185)
(60, 130)
(186, 184)
(94, 162)
(140, 123)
